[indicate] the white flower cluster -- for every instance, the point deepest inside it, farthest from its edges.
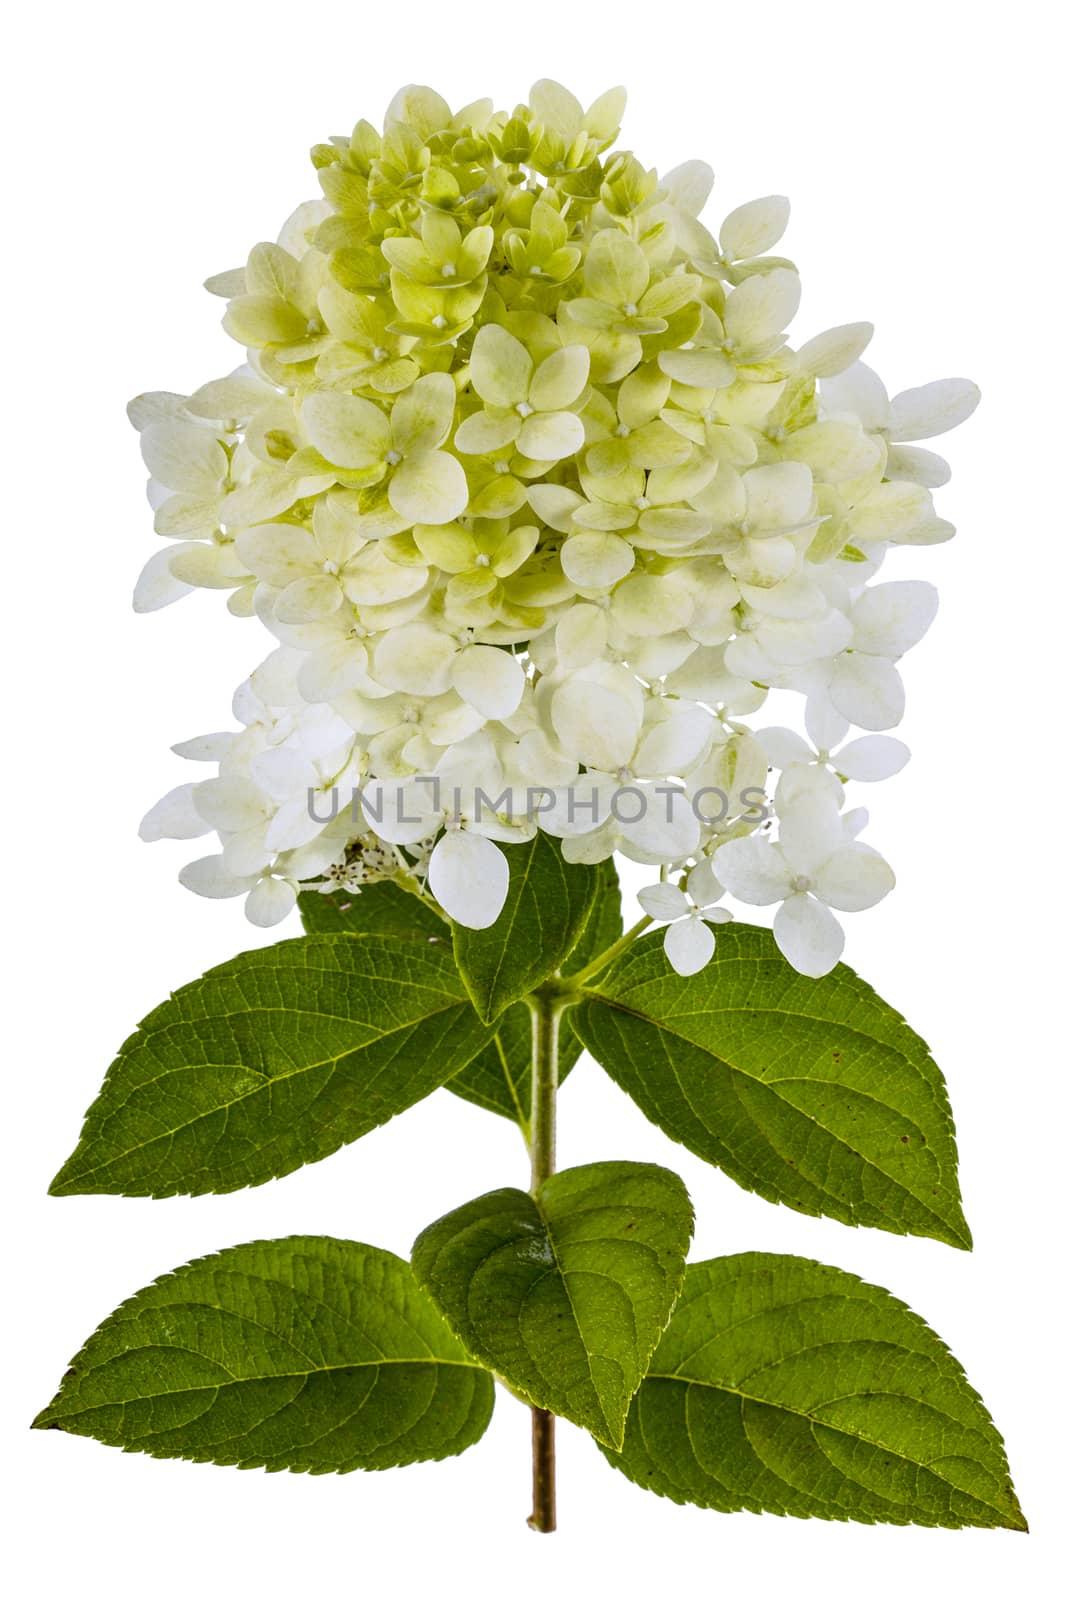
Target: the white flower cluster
(538, 504)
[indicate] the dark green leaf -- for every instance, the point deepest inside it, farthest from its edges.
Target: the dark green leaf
(786, 1386)
(566, 1295)
(548, 905)
(499, 1078)
(271, 1060)
(812, 1093)
(316, 1355)
(379, 908)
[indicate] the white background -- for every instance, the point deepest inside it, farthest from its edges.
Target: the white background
(151, 146)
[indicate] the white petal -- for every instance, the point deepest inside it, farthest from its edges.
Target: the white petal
(468, 876)
(183, 456)
(209, 877)
(868, 690)
(796, 782)
(872, 758)
(753, 870)
(702, 885)
(778, 496)
(205, 747)
(859, 393)
(347, 430)
(595, 561)
(688, 186)
(809, 830)
(663, 901)
(762, 306)
(230, 804)
(854, 878)
(157, 586)
(417, 659)
(782, 746)
(581, 637)
(658, 822)
(914, 465)
(597, 716)
(174, 817)
(555, 504)
(835, 350)
(934, 408)
(826, 727)
(808, 935)
(489, 679)
(892, 617)
(551, 435)
(755, 227)
(401, 813)
(675, 743)
(269, 902)
(429, 488)
(689, 945)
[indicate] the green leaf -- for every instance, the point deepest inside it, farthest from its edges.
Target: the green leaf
(812, 1092)
(498, 1079)
(548, 905)
(271, 1060)
(379, 908)
(567, 1294)
(315, 1355)
(786, 1386)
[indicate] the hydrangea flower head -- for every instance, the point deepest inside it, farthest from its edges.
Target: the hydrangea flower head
(523, 476)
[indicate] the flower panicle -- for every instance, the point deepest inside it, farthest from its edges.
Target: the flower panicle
(523, 476)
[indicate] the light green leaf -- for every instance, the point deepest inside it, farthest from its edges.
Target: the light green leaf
(786, 1386)
(548, 905)
(271, 1060)
(498, 1079)
(305, 1354)
(565, 1295)
(813, 1093)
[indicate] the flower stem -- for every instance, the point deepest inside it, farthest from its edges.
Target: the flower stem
(546, 1008)
(606, 957)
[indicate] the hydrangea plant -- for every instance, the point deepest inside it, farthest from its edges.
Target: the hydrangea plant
(540, 508)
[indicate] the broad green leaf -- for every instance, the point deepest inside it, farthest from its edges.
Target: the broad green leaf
(379, 908)
(812, 1092)
(498, 1079)
(548, 905)
(567, 1294)
(271, 1060)
(786, 1386)
(315, 1355)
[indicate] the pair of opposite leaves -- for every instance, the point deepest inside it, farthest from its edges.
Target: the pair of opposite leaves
(813, 1094)
(779, 1385)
